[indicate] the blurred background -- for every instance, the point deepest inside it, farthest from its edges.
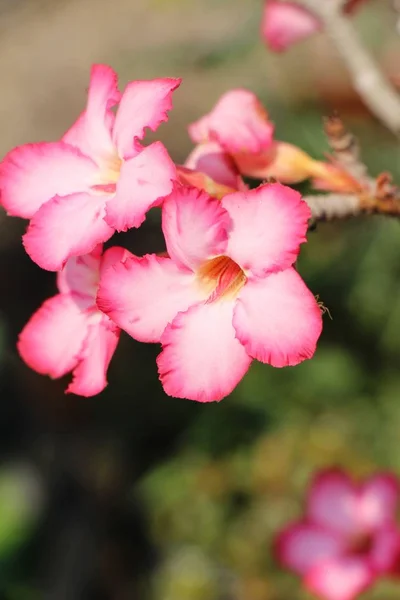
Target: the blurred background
(134, 495)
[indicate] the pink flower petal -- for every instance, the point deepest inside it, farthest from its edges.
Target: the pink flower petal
(302, 546)
(31, 175)
(90, 375)
(238, 122)
(92, 131)
(286, 23)
(66, 227)
(202, 359)
(270, 223)
(112, 256)
(143, 183)
(340, 579)
(143, 104)
(52, 339)
(143, 295)
(203, 182)
(277, 319)
(385, 553)
(379, 499)
(332, 502)
(80, 275)
(195, 226)
(212, 160)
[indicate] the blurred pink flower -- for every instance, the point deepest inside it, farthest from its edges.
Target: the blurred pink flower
(68, 332)
(348, 538)
(98, 178)
(286, 23)
(226, 294)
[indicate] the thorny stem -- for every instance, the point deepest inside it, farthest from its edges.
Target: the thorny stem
(375, 90)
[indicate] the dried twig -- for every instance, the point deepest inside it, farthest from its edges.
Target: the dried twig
(384, 201)
(346, 150)
(365, 194)
(330, 207)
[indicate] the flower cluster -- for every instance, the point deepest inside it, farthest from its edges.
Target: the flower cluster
(225, 293)
(349, 537)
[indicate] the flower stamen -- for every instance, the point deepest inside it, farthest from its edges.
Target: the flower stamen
(108, 176)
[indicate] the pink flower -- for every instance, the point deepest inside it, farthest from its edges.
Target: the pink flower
(68, 332)
(349, 536)
(227, 293)
(210, 168)
(98, 178)
(286, 23)
(236, 139)
(237, 122)
(212, 160)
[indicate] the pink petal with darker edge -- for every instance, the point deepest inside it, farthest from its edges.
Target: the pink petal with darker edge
(90, 375)
(65, 227)
(277, 319)
(144, 182)
(201, 358)
(113, 256)
(143, 104)
(269, 224)
(33, 174)
(52, 339)
(142, 295)
(92, 132)
(195, 226)
(238, 122)
(216, 163)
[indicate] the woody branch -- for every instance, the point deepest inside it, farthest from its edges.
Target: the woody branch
(367, 77)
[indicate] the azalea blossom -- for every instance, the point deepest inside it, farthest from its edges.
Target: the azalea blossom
(226, 294)
(287, 23)
(348, 537)
(98, 178)
(68, 332)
